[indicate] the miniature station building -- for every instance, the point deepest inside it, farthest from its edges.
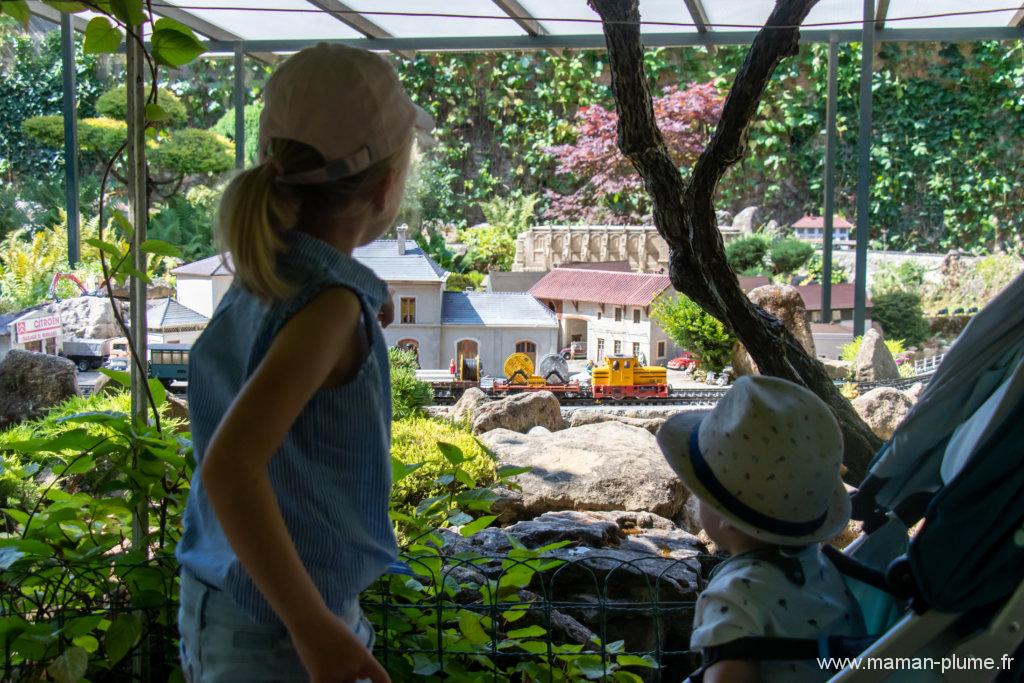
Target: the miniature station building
(812, 229)
(438, 326)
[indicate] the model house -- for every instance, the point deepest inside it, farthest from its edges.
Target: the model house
(812, 229)
(438, 326)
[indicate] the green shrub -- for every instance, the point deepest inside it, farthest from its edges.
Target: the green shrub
(460, 282)
(414, 441)
(689, 326)
(191, 150)
(113, 104)
(849, 350)
(890, 277)
(408, 394)
(749, 252)
(900, 315)
(790, 255)
(226, 126)
(814, 272)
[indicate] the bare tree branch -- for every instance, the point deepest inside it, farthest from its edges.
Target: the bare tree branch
(684, 211)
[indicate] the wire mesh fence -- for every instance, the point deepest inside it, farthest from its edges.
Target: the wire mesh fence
(571, 614)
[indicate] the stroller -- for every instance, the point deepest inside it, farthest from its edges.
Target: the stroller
(947, 604)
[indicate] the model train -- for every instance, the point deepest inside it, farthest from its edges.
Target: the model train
(621, 377)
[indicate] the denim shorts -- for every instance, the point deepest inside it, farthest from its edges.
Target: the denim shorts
(221, 644)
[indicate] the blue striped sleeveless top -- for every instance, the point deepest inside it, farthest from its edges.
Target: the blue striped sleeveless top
(332, 473)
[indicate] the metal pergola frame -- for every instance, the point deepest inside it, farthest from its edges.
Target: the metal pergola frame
(872, 29)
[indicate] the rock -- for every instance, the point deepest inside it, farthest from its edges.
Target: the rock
(605, 466)
(534, 431)
(589, 417)
(177, 409)
(874, 362)
(783, 302)
(159, 289)
(519, 413)
(914, 392)
(613, 562)
(723, 217)
(466, 408)
(746, 221)
(775, 231)
(883, 409)
(31, 383)
(88, 317)
(837, 369)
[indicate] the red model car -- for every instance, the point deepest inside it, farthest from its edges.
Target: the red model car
(684, 361)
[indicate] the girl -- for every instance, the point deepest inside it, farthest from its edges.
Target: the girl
(287, 520)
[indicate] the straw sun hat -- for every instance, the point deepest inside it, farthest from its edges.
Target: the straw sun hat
(767, 459)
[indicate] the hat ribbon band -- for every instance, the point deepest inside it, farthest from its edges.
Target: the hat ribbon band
(736, 506)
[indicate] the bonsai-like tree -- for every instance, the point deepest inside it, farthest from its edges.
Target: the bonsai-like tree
(684, 210)
(174, 153)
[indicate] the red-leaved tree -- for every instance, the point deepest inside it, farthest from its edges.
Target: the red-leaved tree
(604, 186)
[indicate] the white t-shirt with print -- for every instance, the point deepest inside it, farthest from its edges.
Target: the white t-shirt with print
(749, 596)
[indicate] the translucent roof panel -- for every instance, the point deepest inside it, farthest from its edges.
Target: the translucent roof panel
(901, 10)
(412, 18)
(267, 19)
(659, 16)
(835, 14)
(737, 15)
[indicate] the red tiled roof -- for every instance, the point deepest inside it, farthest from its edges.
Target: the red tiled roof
(842, 296)
(618, 266)
(749, 282)
(831, 328)
(819, 222)
(601, 286)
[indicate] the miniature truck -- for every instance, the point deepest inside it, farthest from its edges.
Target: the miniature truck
(87, 354)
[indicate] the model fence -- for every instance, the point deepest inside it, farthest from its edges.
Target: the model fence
(577, 614)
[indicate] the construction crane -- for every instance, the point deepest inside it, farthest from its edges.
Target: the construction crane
(51, 293)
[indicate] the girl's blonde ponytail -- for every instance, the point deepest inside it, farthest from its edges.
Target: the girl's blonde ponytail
(253, 212)
(256, 209)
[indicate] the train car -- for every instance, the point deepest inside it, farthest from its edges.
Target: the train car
(468, 374)
(169, 362)
(624, 377)
(522, 376)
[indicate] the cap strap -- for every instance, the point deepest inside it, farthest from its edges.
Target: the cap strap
(736, 506)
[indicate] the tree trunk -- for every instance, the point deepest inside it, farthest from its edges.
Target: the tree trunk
(684, 212)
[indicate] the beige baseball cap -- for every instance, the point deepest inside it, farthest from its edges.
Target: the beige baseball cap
(345, 103)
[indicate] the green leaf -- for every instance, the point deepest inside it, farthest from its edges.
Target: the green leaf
(476, 525)
(128, 11)
(399, 470)
(160, 248)
(79, 466)
(164, 23)
(507, 471)
(469, 624)
(121, 377)
(627, 677)
(156, 113)
(121, 637)
(158, 392)
(19, 516)
(528, 632)
(102, 37)
(633, 660)
(451, 452)
(173, 48)
(69, 666)
(425, 666)
(123, 224)
(17, 9)
(62, 6)
(591, 666)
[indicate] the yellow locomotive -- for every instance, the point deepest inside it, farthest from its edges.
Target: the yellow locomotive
(624, 377)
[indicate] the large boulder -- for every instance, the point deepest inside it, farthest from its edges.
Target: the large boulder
(520, 413)
(605, 466)
(883, 409)
(87, 317)
(837, 369)
(590, 417)
(31, 383)
(612, 561)
(466, 408)
(747, 220)
(786, 304)
(874, 362)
